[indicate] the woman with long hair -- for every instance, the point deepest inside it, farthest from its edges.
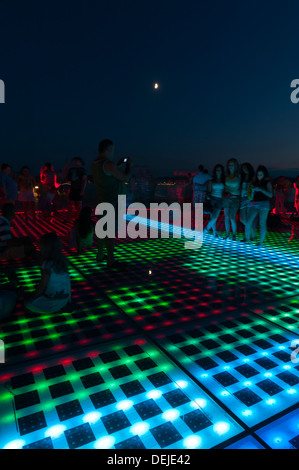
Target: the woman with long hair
(53, 293)
(48, 179)
(246, 175)
(231, 196)
(260, 205)
(215, 193)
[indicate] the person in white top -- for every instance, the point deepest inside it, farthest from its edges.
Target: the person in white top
(231, 196)
(246, 175)
(53, 293)
(214, 194)
(200, 182)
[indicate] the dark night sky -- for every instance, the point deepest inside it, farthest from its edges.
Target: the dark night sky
(79, 71)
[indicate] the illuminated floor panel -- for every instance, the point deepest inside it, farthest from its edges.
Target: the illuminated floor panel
(30, 335)
(160, 294)
(244, 362)
(226, 313)
(283, 433)
(246, 443)
(123, 395)
(284, 313)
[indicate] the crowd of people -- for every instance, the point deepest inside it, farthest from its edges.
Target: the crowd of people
(41, 193)
(231, 188)
(53, 292)
(239, 188)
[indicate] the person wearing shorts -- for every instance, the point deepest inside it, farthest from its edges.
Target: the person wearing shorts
(231, 197)
(106, 177)
(260, 204)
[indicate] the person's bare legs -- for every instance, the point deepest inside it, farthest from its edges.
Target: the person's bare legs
(253, 228)
(110, 242)
(263, 224)
(251, 216)
(227, 221)
(212, 221)
(233, 214)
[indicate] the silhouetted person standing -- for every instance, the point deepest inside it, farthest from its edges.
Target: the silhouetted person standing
(107, 177)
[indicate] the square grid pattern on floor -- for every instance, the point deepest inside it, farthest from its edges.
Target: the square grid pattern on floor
(225, 315)
(122, 395)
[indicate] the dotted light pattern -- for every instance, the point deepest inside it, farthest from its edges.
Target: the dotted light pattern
(165, 289)
(284, 313)
(245, 362)
(30, 335)
(100, 399)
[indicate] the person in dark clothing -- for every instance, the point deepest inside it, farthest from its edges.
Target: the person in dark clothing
(106, 177)
(77, 179)
(260, 203)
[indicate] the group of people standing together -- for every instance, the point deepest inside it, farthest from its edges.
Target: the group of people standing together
(24, 187)
(236, 187)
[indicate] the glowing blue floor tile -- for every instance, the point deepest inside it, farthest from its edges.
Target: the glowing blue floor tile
(118, 395)
(283, 433)
(244, 361)
(246, 443)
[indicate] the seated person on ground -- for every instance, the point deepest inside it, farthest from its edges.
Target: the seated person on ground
(53, 293)
(82, 234)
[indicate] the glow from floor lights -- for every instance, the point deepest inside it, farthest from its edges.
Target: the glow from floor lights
(221, 427)
(154, 394)
(140, 428)
(192, 442)
(291, 391)
(247, 413)
(104, 442)
(268, 374)
(170, 415)
(270, 401)
(92, 417)
(181, 383)
(55, 431)
(124, 405)
(198, 402)
(17, 444)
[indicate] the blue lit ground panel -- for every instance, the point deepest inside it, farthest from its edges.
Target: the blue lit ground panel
(29, 336)
(122, 395)
(284, 313)
(246, 443)
(283, 433)
(244, 361)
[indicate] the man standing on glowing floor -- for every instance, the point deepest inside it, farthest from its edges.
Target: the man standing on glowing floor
(107, 178)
